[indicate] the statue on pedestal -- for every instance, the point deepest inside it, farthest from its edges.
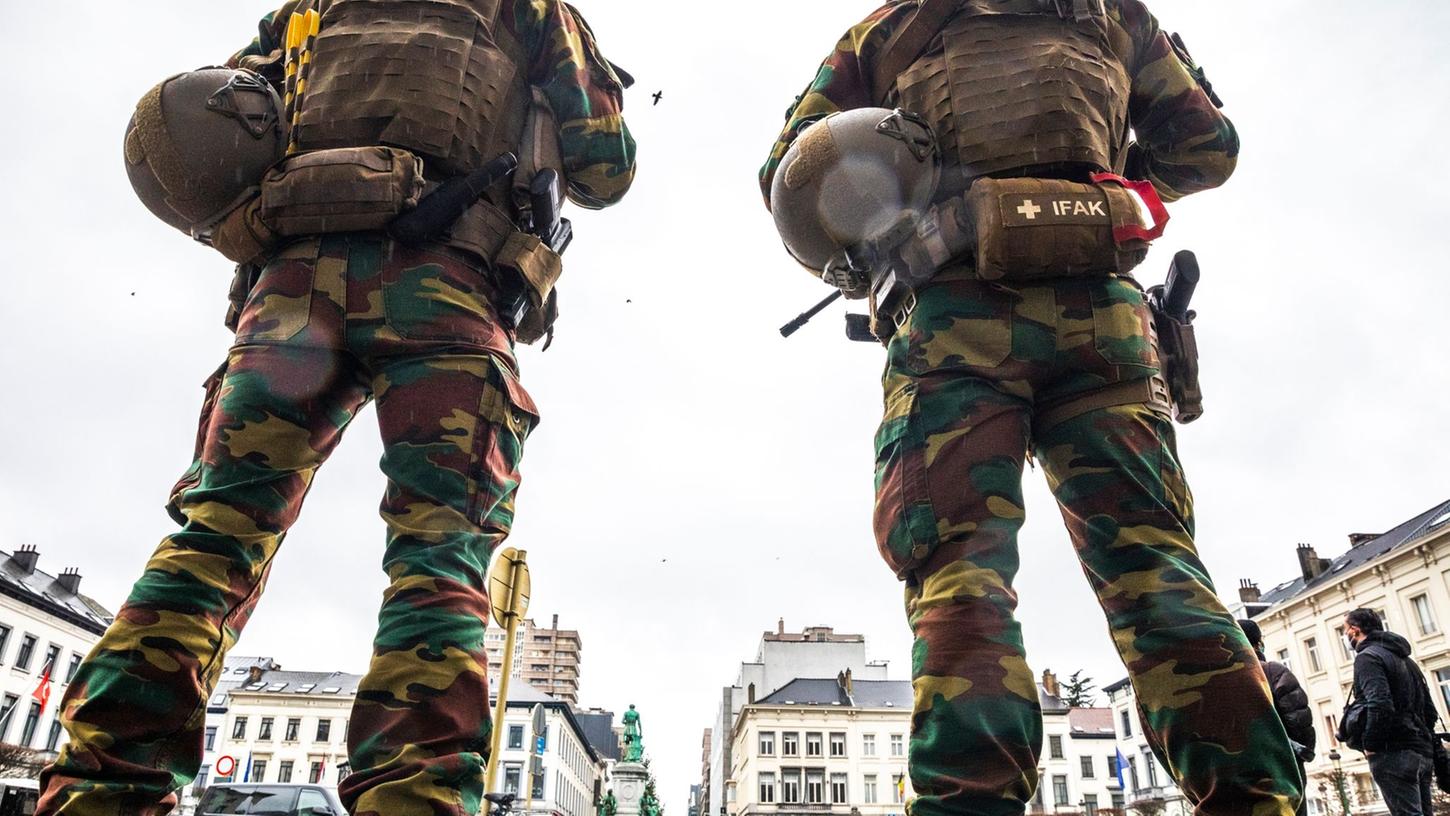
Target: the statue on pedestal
(608, 806)
(633, 738)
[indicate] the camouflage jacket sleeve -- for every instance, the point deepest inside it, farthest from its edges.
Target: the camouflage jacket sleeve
(1184, 142)
(264, 53)
(586, 96)
(843, 82)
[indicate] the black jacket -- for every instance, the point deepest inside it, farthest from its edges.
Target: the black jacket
(1291, 702)
(1399, 712)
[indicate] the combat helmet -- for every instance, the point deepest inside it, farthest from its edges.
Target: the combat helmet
(852, 177)
(199, 142)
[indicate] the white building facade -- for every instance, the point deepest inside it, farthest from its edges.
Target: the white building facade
(1404, 575)
(822, 746)
(782, 656)
(573, 770)
(1144, 777)
(46, 629)
(1078, 770)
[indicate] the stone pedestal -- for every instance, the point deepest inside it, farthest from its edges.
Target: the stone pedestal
(628, 783)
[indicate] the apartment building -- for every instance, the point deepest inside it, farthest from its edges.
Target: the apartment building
(546, 658)
(1078, 769)
(46, 628)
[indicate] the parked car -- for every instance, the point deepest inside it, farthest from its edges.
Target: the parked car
(277, 799)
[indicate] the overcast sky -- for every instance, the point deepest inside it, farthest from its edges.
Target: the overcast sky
(695, 476)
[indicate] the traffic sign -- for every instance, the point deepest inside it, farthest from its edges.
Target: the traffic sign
(539, 721)
(226, 765)
(539, 746)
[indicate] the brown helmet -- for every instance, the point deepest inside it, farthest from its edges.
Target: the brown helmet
(199, 142)
(850, 178)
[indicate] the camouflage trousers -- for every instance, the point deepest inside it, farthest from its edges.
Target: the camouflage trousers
(966, 382)
(330, 324)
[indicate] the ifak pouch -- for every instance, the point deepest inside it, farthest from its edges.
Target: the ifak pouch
(1049, 228)
(345, 189)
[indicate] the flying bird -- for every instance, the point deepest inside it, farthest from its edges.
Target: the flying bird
(658, 95)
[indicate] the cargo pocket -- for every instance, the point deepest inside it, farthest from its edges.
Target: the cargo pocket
(192, 477)
(961, 324)
(1122, 324)
(904, 520)
(507, 415)
(280, 303)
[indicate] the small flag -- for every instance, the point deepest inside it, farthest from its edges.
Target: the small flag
(1122, 763)
(42, 691)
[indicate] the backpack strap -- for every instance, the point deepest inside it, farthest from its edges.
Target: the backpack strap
(908, 43)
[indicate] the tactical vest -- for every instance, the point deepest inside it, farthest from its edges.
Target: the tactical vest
(441, 78)
(1014, 84)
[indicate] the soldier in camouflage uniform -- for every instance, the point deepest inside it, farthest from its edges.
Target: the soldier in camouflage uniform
(333, 322)
(970, 379)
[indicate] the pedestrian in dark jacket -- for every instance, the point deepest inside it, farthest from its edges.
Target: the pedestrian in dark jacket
(1289, 700)
(1398, 735)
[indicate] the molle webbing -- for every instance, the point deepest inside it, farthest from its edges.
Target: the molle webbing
(441, 78)
(1013, 88)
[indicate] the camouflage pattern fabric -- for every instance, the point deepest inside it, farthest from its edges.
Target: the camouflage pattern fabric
(963, 381)
(331, 324)
(583, 90)
(1184, 144)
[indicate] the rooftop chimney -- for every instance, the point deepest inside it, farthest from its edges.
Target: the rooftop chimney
(1311, 566)
(750, 694)
(254, 674)
(844, 681)
(1049, 683)
(556, 621)
(70, 580)
(1356, 539)
(25, 558)
(1249, 592)
(780, 626)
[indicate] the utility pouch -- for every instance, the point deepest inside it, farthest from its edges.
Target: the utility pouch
(1178, 351)
(345, 189)
(1050, 228)
(527, 272)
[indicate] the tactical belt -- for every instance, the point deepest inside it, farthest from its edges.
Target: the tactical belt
(1152, 392)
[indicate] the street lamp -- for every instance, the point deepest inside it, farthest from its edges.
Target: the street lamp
(1338, 777)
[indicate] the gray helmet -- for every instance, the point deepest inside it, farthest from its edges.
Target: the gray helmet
(850, 178)
(200, 141)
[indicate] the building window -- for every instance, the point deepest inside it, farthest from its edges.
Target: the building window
(790, 786)
(898, 789)
(53, 739)
(868, 745)
(1118, 801)
(1090, 804)
(1127, 724)
(314, 775)
(31, 720)
(1331, 729)
(52, 654)
(293, 723)
(284, 771)
(1423, 614)
(70, 672)
(1284, 658)
(815, 787)
(1311, 650)
(1054, 746)
(767, 788)
(870, 789)
(201, 774)
(1151, 767)
(813, 744)
(767, 743)
(838, 789)
(239, 728)
(210, 738)
(4, 640)
(1133, 773)
(1113, 766)
(790, 744)
(259, 771)
(1087, 767)
(324, 730)
(511, 776)
(264, 729)
(27, 648)
(838, 745)
(1059, 790)
(898, 745)
(7, 712)
(516, 736)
